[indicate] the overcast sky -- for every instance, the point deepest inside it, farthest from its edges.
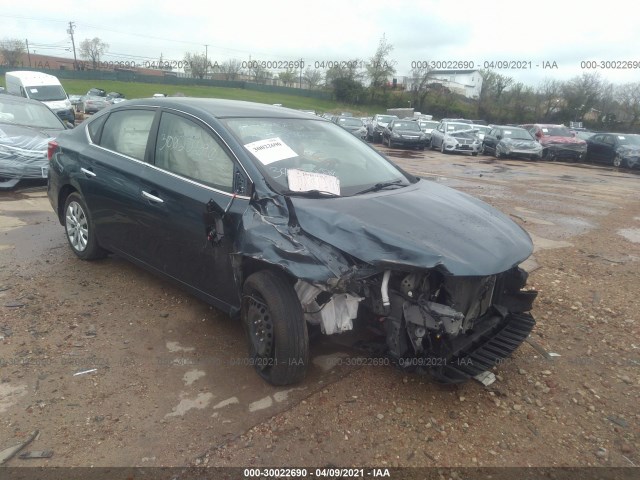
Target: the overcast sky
(432, 30)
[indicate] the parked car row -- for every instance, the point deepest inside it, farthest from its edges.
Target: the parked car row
(96, 99)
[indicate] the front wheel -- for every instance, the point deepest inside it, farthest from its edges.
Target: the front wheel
(274, 323)
(79, 228)
(617, 161)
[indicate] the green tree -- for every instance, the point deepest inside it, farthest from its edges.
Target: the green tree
(380, 67)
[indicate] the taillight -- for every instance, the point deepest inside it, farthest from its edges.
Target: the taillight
(51, 149)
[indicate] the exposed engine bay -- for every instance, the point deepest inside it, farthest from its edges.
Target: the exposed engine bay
(432, 322)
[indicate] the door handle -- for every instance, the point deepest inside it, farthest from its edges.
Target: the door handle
(153, 198)
(88, 173)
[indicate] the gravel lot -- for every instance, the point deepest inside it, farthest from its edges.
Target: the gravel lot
(169, 387)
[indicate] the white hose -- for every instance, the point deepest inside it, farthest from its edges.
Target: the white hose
(384, 289)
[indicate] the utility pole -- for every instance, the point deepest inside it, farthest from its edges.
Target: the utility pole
(28, 52)
(206, 61)
(70, 32)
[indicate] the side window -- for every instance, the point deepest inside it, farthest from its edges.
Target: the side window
(186, 148)
(127, 132)
(95, 127)
(609, 140)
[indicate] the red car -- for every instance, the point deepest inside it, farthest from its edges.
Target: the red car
(558, 142)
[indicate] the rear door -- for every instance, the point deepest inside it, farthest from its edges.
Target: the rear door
(109, 176)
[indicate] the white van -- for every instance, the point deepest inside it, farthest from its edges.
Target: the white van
(43, 87)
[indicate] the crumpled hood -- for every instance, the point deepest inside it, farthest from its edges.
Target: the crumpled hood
(521, 144)
(628, 150)
(420, 226)
(552, 140)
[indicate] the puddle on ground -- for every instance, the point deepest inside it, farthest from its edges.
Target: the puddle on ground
(540, 243)
(631, 234)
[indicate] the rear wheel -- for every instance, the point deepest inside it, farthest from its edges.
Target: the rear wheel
(274, 323)
(80, 230)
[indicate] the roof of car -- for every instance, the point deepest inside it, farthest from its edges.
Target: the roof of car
(223, 108)
(17, 99)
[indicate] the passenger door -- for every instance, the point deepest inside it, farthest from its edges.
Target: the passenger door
(490, 140)
(596, 148)
(195, 196)
(109, 177)
(438, 135)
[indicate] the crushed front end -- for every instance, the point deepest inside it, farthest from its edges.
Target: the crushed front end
(452, 327)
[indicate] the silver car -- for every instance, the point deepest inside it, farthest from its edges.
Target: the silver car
(455, 137)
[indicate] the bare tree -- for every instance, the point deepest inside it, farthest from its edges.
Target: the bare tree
(313, 77)
(197, 63)
(93, 49)
(11, 50)
(629, 96)
(258, 73)
(550, 100)
(231, 69)
(419, 87)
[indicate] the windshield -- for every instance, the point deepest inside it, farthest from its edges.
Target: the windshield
(482, 128)
(413, 126)
(46, 93)
(279, 145)
(385, 118)
(556, 132)
(456, 127)
(29, 114)
(517, 134)
(629, 139)
(350, 122)
(429, 124)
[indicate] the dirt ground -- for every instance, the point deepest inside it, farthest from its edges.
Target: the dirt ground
(115, 367)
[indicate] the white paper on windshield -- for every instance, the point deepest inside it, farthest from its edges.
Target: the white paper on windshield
(545, 130)
(620, 137)
(270, 150)
(33, 90)
(507, 132)
(301, 181)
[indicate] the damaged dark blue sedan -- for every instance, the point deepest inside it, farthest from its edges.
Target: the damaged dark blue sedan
(290, 223)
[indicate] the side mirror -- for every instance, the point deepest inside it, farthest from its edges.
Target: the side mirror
(499, 137)
(538, 134)
(69, 124)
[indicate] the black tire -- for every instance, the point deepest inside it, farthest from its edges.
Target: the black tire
(274, 323)
(442, 147)
(474, 154)
(496, 153)
(79, 229)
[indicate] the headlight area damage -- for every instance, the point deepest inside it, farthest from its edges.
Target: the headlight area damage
(439, 283)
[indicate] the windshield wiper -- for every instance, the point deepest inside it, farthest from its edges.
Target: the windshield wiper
(310, 193)
(381, 185)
